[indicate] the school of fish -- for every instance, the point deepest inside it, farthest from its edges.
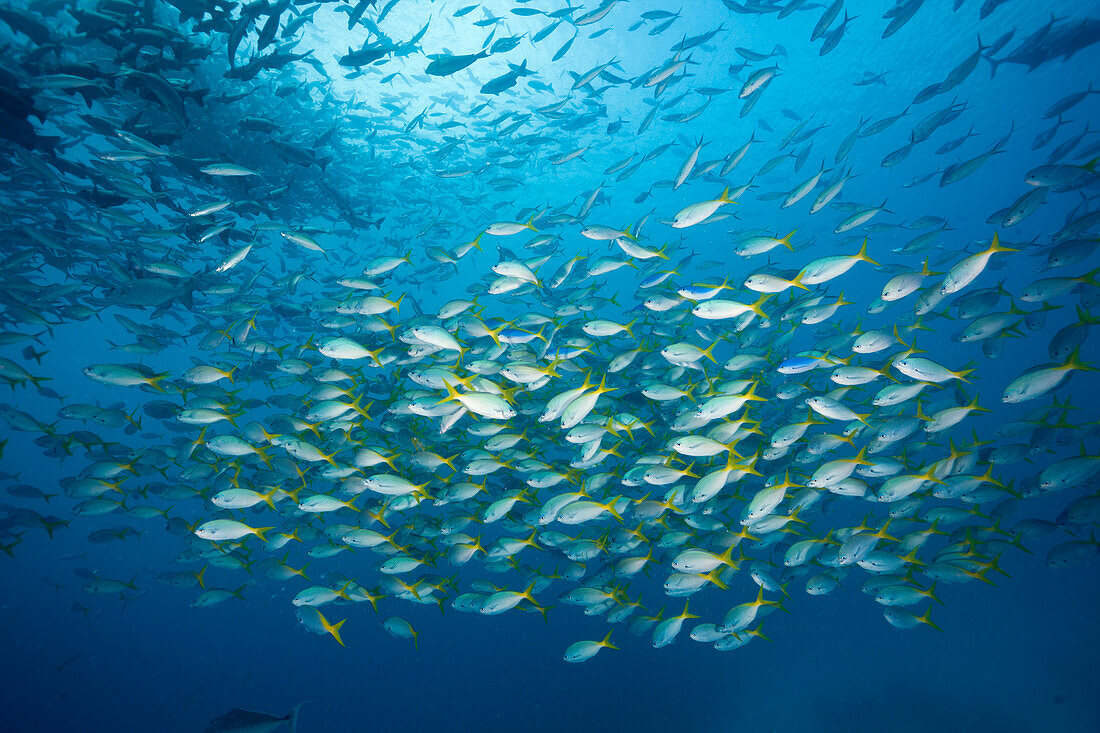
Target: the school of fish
(704, 371)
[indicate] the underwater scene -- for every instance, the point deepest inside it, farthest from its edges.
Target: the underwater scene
(547, 365)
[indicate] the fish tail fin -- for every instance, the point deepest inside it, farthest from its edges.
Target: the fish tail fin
(358, 408)
(862, 254)
(374, 355)
(631, 231)
(758, 633)
(920, 412)
(755, 307)
(995, 245)
(154, 381)
(331, 461)
(961, 375)
(1074, 363)
(610, 507)
(975, 407)
(269, 498)
(707, 351)
(925, 618)
(713, 577)
(494, 334)
(1084, 319)
(334, 630)
(1090, 277)
(786, 241)
(452, 393)
(751, 395)
(897, 337)
(292, 719)
(36, 381)
(727, 558)
(260, 531)
(861, 458)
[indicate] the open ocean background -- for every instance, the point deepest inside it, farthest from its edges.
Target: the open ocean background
(1017, 657)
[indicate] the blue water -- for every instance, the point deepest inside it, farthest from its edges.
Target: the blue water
(1017, 654)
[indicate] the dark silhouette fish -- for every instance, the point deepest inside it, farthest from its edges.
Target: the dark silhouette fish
(17, 106)
(250, 721)
(298, 155)
(151, 292)
(26, 24)
(1052, 41)
(445, 65)
(506, 80)
(363, 56)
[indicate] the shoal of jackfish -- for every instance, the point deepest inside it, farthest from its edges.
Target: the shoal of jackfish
(613, 415)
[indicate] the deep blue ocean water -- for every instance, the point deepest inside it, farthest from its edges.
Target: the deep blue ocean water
(417, 162)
